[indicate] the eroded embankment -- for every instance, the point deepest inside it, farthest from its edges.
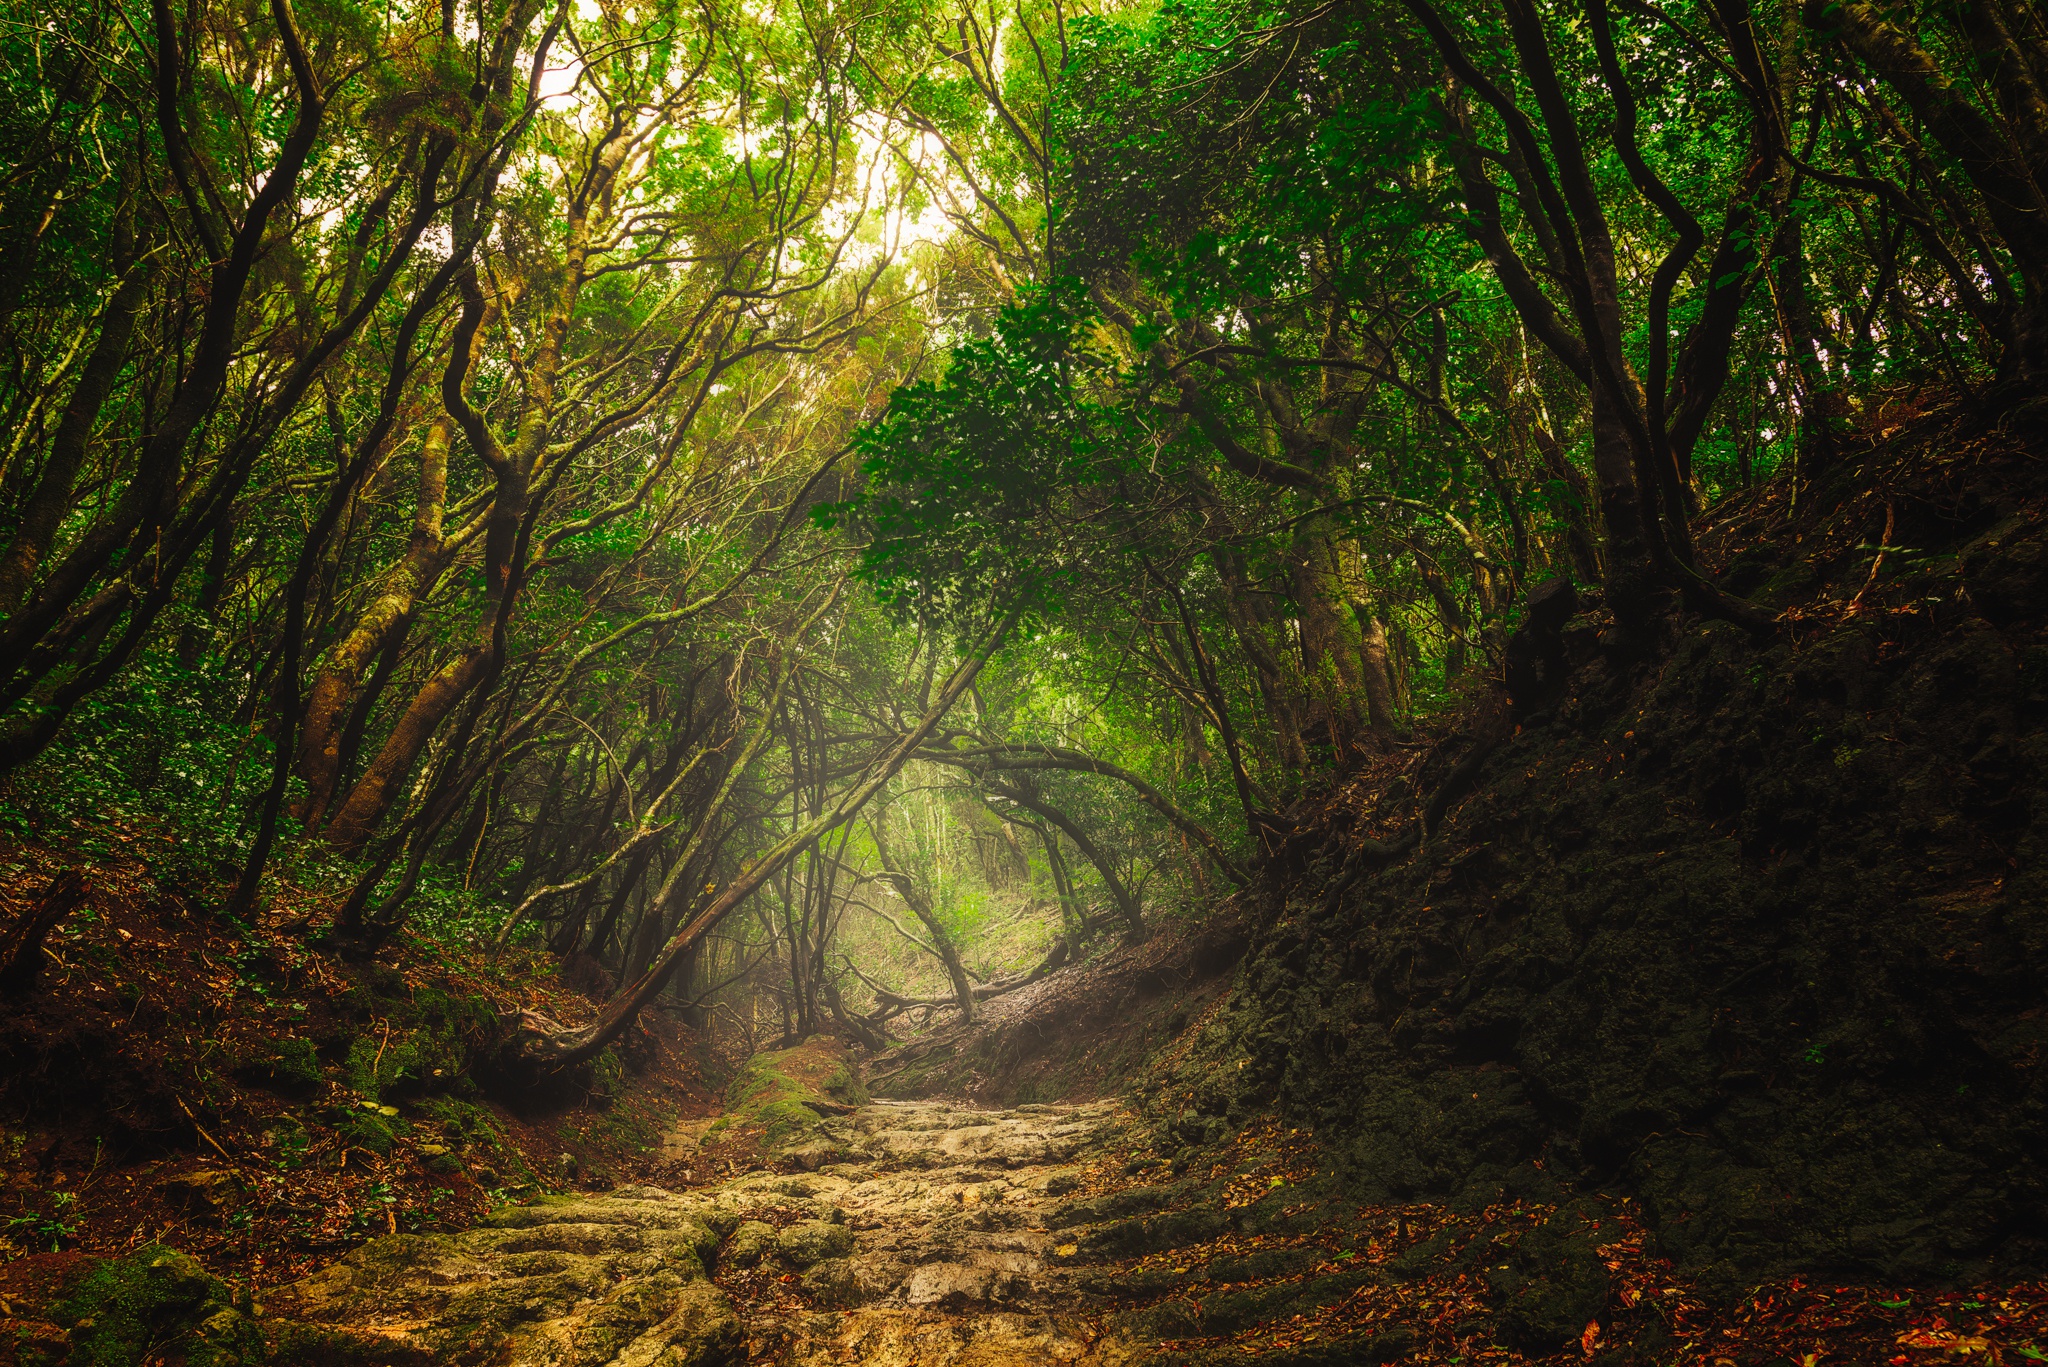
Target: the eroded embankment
(1756, 934)
(1083, 1032)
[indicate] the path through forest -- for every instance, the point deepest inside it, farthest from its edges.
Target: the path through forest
(935, 1235)
(953, 1237)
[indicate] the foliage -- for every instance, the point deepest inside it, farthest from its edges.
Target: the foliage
(979, 482)
(591, 465)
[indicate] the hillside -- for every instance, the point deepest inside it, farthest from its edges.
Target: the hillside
(1752, 934)
(172, 1076)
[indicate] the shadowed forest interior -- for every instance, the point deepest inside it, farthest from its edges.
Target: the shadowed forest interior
(1436, 607)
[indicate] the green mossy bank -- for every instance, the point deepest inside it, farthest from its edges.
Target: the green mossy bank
(779, 1099)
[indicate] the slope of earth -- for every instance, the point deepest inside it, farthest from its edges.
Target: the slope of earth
(1080, 1033)
(1756, 934)
(174, 1077)
(1040, 1234)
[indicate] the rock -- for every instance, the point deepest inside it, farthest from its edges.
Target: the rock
(597, 1280)
(812, 1241)
(369, 1127)
(834, 1284)
(892, 1266)
(751, 1242)
(2006, 572)
(38, 1341)
(121, 1308)
(177, 1277)
(816, 1154)
(207, 1191)
(290, 1066)
(1553, 1285)
(701, 1331)
(437, 1159)
(953, 1285)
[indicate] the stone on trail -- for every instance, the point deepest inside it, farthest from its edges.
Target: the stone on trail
(584, 1282)
(953, 1238)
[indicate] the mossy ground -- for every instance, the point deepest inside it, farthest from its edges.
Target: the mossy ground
(780, 1098)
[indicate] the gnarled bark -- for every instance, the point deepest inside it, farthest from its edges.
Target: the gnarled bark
(380, 624)
(379, 786)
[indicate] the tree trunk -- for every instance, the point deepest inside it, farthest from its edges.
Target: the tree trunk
(379, 786)
(567, 1048)
(942, 943)
(2009, 172)
(1330, 642)
(50, 504)
(1126, 905)
(380, 624)
(21, 949)
(1377, 668)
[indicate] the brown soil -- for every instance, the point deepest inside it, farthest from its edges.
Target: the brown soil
(143, 1098)
(1081, 1032)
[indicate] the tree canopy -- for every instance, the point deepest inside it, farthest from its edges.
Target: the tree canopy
(832, 510)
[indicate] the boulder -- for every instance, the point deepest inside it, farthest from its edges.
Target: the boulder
(750, 1243)
(205, 1192)
(812, 1241)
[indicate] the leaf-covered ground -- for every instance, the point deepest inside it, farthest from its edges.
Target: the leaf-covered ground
(264, 1105)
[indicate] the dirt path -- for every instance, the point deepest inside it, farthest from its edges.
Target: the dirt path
(952, 1236)
(930, 1234)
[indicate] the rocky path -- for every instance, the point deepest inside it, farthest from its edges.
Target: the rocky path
(917, 1234)
(942, 1236)
(923, 1234)
(941, 1240)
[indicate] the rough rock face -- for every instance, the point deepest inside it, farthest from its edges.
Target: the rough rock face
(577, 1282)
(1756, 934)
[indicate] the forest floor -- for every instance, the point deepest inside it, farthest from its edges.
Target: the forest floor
(177, 1079)
(938, 1234)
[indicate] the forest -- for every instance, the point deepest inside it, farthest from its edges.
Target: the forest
(1103, 681)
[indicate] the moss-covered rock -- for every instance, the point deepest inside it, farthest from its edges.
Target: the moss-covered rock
(410, 1043)
(290, 1066)
(564, 1279)
(369, 1126)
(834, 1284)
(812, 1241)
(157, 1300)
(784, 1096)
(751, 1242)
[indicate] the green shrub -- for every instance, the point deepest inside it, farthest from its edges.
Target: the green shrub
(367, 1127)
